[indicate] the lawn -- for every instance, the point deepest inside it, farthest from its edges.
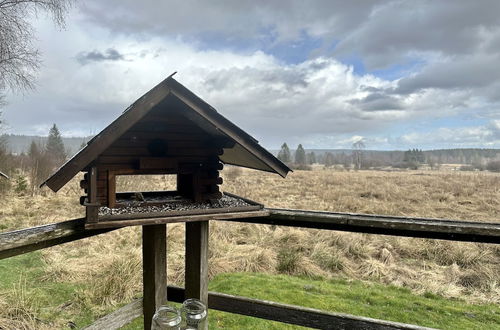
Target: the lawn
(342, 296)
(411, 280)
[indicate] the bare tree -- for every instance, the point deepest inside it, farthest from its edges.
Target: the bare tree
(19, 59)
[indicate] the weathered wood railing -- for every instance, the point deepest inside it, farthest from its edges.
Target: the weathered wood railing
(154, 254)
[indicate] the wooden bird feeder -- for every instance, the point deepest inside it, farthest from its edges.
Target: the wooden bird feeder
(169, 130)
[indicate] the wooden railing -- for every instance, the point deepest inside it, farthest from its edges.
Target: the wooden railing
(154, 262)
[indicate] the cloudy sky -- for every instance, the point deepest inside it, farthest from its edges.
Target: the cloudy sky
(399, 74)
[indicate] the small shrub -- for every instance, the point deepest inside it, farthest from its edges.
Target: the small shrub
(470, 280)
(288, 261)
(328, 261)
(21, 185)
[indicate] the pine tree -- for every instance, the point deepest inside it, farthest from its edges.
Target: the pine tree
(55, 146)
(300, 155)
(284, 154)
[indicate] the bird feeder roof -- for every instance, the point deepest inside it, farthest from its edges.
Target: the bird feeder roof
(245, 152)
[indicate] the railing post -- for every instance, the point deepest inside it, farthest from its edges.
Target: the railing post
(197, 260)
(154, 274)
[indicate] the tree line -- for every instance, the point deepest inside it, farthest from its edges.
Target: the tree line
(359, 158)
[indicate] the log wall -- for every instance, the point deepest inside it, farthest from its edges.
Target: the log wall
(160, 144)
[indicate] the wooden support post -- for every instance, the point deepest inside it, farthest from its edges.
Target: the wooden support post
(154, 265)
(197, 260)
(92, 210)
(111, 189)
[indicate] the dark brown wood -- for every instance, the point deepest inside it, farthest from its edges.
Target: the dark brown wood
(454, 230)
(147, 163)
(154, 219)
(133, 161)
(161, 125)
(84, 184)
(196, 187)
(215, 181)
(291, 314)
(111, 189)
(263, 309)
(118, 318)
(185, 213)
(92, 210)
(298, 315)
(196, 261)
(105, 138)
(141, 142)
(232, 131)
(166, 136)
(154, 263)
(31, 239)
(171, 152)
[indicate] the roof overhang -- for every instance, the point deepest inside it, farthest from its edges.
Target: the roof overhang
(246, 151)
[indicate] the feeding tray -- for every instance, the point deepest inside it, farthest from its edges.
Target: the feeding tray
(159, 207)
(167, 131)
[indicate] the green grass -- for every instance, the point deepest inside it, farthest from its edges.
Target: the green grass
(342, 296)
(58, 303)
(50, 300)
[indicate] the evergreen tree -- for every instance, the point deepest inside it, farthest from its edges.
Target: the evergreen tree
(55, 146)
(284, 154)
(300, 155)
(34, 151)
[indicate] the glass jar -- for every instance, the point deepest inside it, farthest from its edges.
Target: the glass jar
(166, 318)
(194, 314)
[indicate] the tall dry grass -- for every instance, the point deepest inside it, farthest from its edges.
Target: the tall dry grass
(111, 263)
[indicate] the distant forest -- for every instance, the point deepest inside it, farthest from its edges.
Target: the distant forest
(31, 159)
(18, 144)
(470, 158)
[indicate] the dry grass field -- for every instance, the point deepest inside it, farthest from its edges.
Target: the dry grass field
(112, 262)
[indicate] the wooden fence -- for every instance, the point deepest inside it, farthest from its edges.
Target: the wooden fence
(154, 262)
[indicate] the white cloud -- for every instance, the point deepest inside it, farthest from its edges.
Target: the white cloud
(459, 137)
(92, 72)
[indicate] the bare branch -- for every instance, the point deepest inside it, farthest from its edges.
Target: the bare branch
(19, 59)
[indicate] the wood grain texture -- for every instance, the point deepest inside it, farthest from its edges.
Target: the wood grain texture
(291, 314)
(268, 310)
(105, 138)
(91, 211)
(154, 263)
(31, 239)
(196, 261)
(455, 230)
(137, 220)
(118, 318)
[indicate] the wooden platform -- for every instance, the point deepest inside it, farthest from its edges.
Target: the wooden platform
(253, 209)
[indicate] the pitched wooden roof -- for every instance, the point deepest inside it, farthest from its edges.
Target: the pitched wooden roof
(246, 151)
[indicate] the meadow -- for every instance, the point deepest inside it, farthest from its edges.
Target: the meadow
(82, 280)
